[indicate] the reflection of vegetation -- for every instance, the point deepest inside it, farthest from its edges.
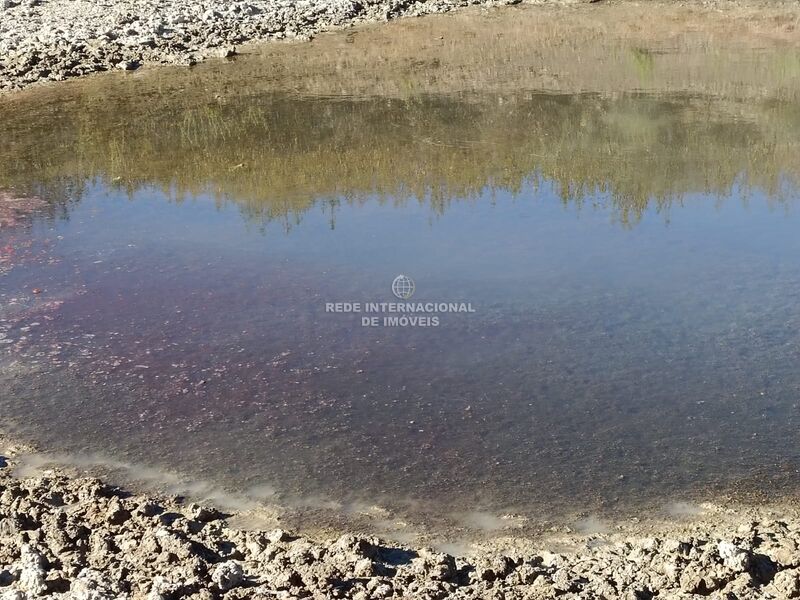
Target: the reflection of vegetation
(229, 134)
(643, 62)
(276, 155)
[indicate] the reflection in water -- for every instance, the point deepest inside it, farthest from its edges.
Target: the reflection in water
(630, 256)
(278, 156)
(514, 98)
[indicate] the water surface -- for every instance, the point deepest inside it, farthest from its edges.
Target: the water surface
(631, 258)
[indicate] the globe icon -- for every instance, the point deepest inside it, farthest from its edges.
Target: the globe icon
(403, 287)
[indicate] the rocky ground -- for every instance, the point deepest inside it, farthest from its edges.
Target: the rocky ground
(77, 538)
(56, 39)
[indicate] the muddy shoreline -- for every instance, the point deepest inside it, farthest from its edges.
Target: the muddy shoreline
(53, 40)
(66, 536)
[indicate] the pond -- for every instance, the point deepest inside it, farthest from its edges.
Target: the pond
(196, 275)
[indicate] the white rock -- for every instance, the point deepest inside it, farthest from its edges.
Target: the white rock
(32, 573)
(733, 557)
(227, 575)
(90, 585)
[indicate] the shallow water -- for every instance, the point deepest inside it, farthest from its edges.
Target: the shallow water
(630, 258)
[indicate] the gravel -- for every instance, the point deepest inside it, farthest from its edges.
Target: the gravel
(75, 538)
(57, 39)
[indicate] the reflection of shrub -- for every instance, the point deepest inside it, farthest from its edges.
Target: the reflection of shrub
(276, 154)
(643, 62)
